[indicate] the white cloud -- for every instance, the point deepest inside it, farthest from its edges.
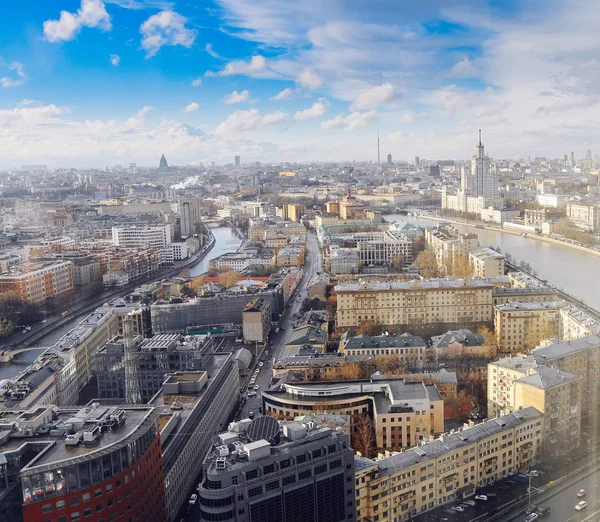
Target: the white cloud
(243, 121)
(408, 118)
(317, 110)
(286, 94)
(144, 110)
(115, 60)
(256, 65)
(354, 120)
(191, 107)
(27, 101)
(463, 69)
(92, 13)
(238, 97)
(165, 28)
(209, 49)
(8, 81)
(31, 116)
(197, 82)
(309, 78)
(371, 98)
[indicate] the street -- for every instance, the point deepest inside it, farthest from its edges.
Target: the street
(313, 264)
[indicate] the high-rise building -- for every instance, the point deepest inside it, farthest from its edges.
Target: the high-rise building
(237, 161)
(265, 471)
(417, 161)
(480, 180)
(588, 163)
(163, 165)
(389, 159)
(572, 159)
(189, 214)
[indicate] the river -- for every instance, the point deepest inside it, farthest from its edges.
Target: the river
(573, 271)
(225, 241)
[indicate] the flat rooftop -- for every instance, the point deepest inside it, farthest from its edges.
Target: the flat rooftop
(54, 451)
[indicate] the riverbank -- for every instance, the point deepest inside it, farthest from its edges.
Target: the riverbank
(481, 226)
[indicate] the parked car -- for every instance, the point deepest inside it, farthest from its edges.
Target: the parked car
(256, 386)
(581, 493)
(581, 505)
(481, 497)
(460, 509)
(193, 499)
(491, 494)
(261, 363)
(543, 511)
(470, 503)
(251, 415)
(531, 517)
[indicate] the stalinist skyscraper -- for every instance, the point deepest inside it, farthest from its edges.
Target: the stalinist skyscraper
(478, 185)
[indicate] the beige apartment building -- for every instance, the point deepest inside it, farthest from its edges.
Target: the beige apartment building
(413, 303)
(517, 382)
(256, 321)
(516, 323)
(448, 245)
(586, 217)
(404, 413)
(399, 487)
(486, 262)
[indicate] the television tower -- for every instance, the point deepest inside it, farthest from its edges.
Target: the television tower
(378, 156)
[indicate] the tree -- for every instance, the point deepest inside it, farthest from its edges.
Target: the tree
(426, 262)
(535, 333)
(369, 327)
(398, 262)
(331, 306)
(230, 278)
(185, 273)
(196, 283)
(7, 327)
(363, 435)
(489, 340)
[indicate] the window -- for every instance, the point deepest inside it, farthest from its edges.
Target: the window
(98, 493)
(87, 512)
(289, 480)
(270, 486)
(320, 469)
(253, 492)
(99, 508)
(75, 516)
(73, 501)
(86, 497)
(46, 508)
(60, 504)
(305, 474)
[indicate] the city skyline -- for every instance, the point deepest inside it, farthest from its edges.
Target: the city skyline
(90, 83)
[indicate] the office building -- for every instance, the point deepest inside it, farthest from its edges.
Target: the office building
(399, 487)
(410, 349)
(193, 406)
(417, 161)
(404, 413)
(389, 159)
(449, 246)
(93, 463)
(414, 303)
(133, 236)
(237, 161)
(265, 471)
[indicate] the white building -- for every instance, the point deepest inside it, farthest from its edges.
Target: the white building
(179, 251)
(155, 236)
(486, 262)
(344, 261)
(552, 200)
(189, 210)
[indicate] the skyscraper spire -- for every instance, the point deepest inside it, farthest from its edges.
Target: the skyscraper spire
(378, 156)
(480, 137)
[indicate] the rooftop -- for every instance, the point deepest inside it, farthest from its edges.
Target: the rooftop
(462, 336)
(561, 349)
(543, 305)
(545, 378)
(426, 284)
(381, 341)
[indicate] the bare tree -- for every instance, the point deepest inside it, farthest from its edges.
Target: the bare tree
(363, 435)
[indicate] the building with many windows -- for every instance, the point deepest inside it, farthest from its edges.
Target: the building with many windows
(39, 282)
(399, 487)
(92, 463)
(403, 412)
(265, 471)
(413, 303)
(410, 349)
(486, 262)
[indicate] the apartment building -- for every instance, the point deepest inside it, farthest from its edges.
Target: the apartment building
(503, 295)
(350, 208)
(35, 283)
(459, 342)
(515, 383)
(256, 321)
(392, 246)
(486, 262)
(399, 487)
(266, 471)
(344, 261)
(586, 217)
(239, 261)
(413, 303)
(404, 413)
(517, 324)
(448, 245)
(290, 256)
(190, 213)
(575, 323)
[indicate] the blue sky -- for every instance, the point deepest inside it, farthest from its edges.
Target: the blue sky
(99, 82)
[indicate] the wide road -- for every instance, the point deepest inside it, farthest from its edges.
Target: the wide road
(313, 264)
(562, 505)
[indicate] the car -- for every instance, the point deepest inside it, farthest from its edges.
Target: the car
(251, 393)
(256, 386)
(481, 497)
(470, 503)
(531, 517)
(193, 499)
(261, 363)
(491, 494)
(276, 330)
(543, 511)
(581, 493)
(44, 321)
(24, 332)
(460, 509)
(581, 505)
(251, 415)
